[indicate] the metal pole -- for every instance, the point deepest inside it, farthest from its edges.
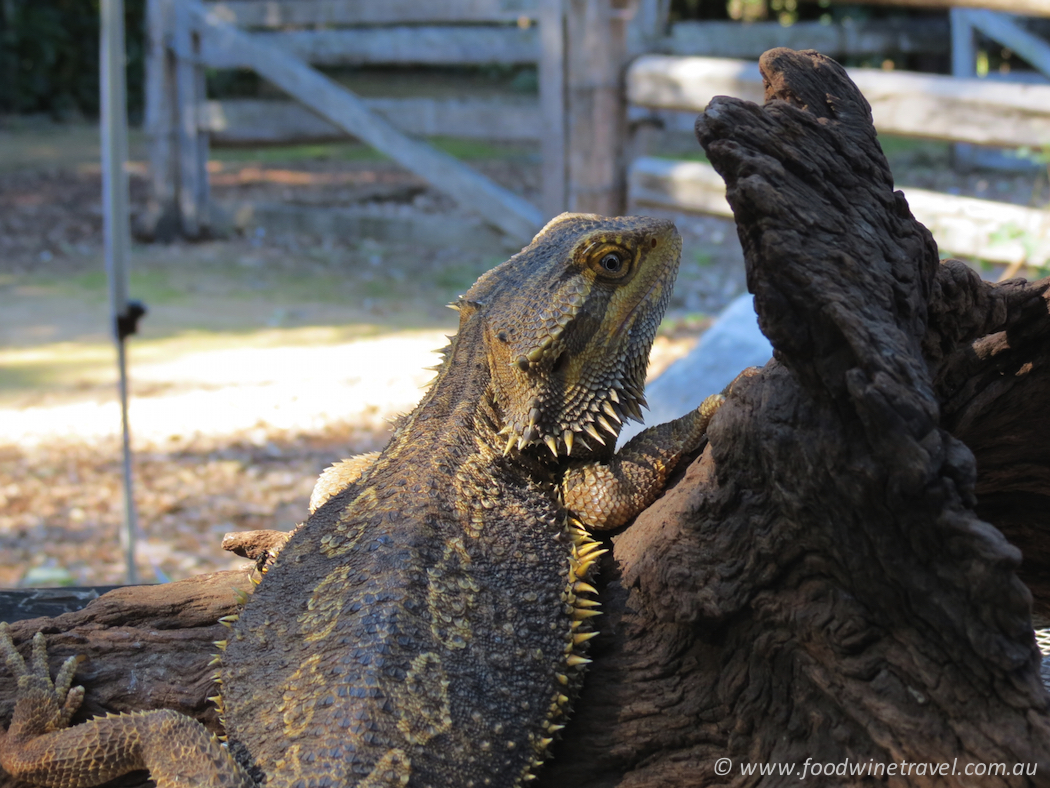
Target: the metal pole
(118, 235)
(129, 534)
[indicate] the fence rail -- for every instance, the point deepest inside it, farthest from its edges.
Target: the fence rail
(997, 232)
(433, 46)
(293, 13)
(1025, 7)
(842, 39)
(260, 121)
(1007, 32)
(970, 111)
(188, 35)
(917, 105)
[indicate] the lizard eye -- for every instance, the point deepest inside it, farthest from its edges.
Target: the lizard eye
(612, 262)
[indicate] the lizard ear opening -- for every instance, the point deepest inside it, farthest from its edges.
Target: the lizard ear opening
(558, 363)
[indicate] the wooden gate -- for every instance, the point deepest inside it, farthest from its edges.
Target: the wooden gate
(188, 35)
(579, 45)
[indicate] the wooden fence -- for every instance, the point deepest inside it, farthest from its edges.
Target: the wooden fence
(581, 115)
(984, 112)
(187, 36)
(579, 45)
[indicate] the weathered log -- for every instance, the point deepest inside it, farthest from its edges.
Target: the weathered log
(830, 580)
(820, 585)
(142, 647)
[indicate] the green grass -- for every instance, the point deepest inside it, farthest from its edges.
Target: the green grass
(152, 286)
(29, 143)
(355, 151)
(64, 365)
(689, 322)
(159, 287)
(316, 151)
(915, 152)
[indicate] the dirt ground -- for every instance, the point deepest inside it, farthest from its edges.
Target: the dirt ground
(265, 356)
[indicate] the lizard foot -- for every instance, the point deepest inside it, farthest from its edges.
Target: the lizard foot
(41, 748)
(606, 494)
(43, 705)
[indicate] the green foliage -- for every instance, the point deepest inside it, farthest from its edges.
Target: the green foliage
(1011, 232)
(702, 259)
(49, 56)
(1040, 155)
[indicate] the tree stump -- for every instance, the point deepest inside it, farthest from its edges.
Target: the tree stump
(836, 580)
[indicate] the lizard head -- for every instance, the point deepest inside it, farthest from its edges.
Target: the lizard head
(568, 325)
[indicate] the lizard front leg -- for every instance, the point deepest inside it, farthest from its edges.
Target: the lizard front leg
(40, 748)
(263, 546)
(606, 494)
(339, 476)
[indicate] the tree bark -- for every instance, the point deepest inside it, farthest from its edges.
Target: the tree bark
(833, 579)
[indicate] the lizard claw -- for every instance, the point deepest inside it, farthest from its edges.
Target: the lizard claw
(13, 659)
(74, 698)
(43, 705)
(38, 658)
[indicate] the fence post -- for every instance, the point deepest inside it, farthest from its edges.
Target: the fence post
(646, 33)
(648, 27)
(551, 67)
(205, 210)
(192, 141)
(161, 219)
(551, 17)
(596, 52)
(964, 57)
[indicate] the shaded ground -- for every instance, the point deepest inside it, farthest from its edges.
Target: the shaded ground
(265, 356)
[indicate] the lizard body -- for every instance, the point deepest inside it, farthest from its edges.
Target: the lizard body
(426, 626)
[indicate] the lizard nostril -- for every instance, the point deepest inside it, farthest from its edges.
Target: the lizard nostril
(558, 363)
(655, 243)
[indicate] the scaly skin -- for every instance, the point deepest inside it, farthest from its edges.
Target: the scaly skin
(426, 625)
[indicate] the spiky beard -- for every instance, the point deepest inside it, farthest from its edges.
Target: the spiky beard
(572, 404)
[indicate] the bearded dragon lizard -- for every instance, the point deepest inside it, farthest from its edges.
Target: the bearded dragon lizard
(427, 625)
